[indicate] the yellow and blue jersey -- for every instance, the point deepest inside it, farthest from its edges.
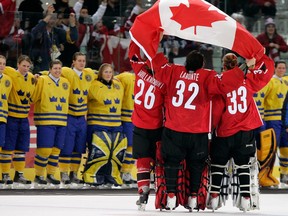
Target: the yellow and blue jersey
(51, 101)
(105, 103)
(5, 89)
(274, 98)
(78, 90)
(259, 98)
(127, 79)
(20, 96)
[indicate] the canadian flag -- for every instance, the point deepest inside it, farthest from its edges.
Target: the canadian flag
(7, 10)
(195, 20)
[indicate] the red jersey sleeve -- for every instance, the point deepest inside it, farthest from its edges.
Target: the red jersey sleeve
(257, 78)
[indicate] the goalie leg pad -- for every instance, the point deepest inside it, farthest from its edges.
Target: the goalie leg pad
(218, 186)
(254, 183)
(266, 155)
(246, 196)
(203, 189)
(176, 184)
(105, 158)
(240, 183)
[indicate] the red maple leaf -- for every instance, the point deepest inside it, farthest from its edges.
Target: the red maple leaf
(196, 14)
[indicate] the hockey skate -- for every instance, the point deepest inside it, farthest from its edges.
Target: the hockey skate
(52, 182)
(283, 180)
(105, 186)
(127, 180)
(7, 182)
(192, 202)
(65, 180)
(213, 201)
(1, 184)
(245, 204)
(20, 182)
(40, 182)
(143, 198)
(171, 201)
(75, 182)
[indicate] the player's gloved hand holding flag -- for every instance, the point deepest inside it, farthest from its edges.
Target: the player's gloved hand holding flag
(195, 20)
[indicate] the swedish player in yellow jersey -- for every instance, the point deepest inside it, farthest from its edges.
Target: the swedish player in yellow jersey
(5, 88)
(127, 79)
(80, 79)
(277, 88)
(106, 142)
(51, 98)
(18, 129)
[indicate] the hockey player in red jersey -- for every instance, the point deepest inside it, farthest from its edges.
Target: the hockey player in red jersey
(235, 117)
(187, 119)
(147, 118)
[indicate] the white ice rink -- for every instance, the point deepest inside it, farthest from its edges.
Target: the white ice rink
(122, 204)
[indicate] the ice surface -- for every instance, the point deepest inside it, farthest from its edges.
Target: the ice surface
(122, 204)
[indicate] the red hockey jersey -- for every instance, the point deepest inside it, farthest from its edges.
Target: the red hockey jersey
(148, 93)
(187, 102)
(237, 111)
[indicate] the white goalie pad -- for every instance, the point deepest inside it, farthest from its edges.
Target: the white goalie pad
(254, 186)
(224, 188)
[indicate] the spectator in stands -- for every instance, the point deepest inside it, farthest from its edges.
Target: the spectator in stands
(239, 18)
(113, 8)
(207, 51)
(137, 9)
(113, 11)
(87, 23)
(272, 41)
(62, 6)
(251, 11)
(48, 39)
(14, 40)
(229, 7)
(69, 47)
(7, 9)
(32, 12)
(92, 5)
(254, 9)
(177, 48)
(268, 8)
